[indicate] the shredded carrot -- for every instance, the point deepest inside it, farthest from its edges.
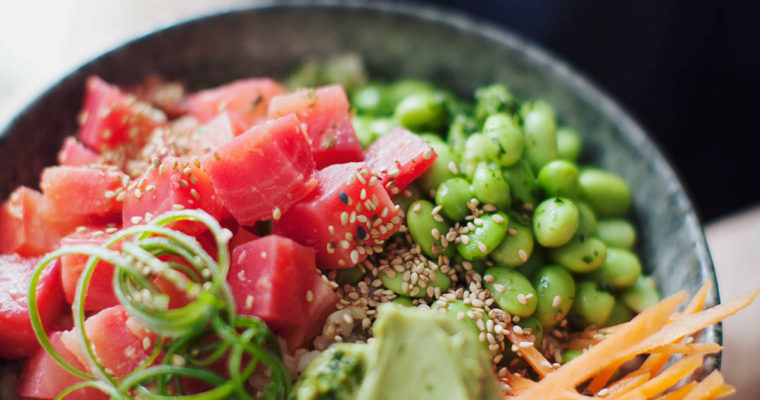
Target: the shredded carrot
(537, 361)
(657, 331)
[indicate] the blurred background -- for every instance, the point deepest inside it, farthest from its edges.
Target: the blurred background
(687, 70)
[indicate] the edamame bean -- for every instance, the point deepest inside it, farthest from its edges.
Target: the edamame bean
(587, 224)
(421, 112)
(368, 99)
(642, 295)
(349, 276)
(580, 255)
(395, 282)
(477, 265)
(616, 232)
(490, 187)
(459, 130)
(398, 90)
(555, 290)
(506, 137)
(487, 235)
(569, 354)
(410, 194)
(452, 195)
(592, 305)
(476, 150)
(606, 192)
(568, 144)
(539, 126)
(521, 182)
(493, 99)
(517, 246)
(369, 129)
(620, 269)
(403, 301)
(555, 221)
(456, 309)
(512, 291)
(422, 226)
(620, 314)
(441, 168)
(559, 178)
(532, 326)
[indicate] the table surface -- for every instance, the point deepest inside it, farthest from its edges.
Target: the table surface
(42, 39)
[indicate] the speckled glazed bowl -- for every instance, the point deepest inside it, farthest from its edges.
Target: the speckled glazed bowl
(396, 40)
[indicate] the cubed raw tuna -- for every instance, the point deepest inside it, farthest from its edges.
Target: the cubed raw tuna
(345, 219)
(100, 291)
(322, 304)
(110, 118)
(17, 339)
(261, 173)
(24, 228)
(269, 279)
(399, 157)
(81, 191)
(118, 341)
(176, 184)
(74, 153)
(43, 378)
(245, 100)
(325, 112)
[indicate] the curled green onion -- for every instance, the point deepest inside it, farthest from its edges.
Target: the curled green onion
(203, 333)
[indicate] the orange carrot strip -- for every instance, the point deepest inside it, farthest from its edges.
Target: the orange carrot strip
(686, 348)
(707, 388)
(680, 393)
(666, 379)
(518, 383)
(537, 361)
(629, 382)
(724, 390)
(600, 381)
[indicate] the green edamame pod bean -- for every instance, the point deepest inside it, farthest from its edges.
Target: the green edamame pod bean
(517, 246)
(555, 290)
(493, 99)
(421, 112)
(535, 262)
(569, 354)
(559, 178)
(521, 182)
(368, 129)
(533, 326)
(368, 99)
(506, 137)
(403, 301)
(606, 192)
(555, 221)
(580, 255)
(421, 223)
(642, 295)
(587, 224)
(349, 276)
(485, 238)
(459, 130)
(395, 282)
(540, 128)
(620, 314)
(440, 170)
(458, 311)
(620, 269)
(476, 150)
(512, 291)
(452, 195)
(410, 194)
(398, 90)
(592, 305)
(616, 232)
(490, 187)
(568, 144)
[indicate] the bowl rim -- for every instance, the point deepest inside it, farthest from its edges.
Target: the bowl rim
(576, 80)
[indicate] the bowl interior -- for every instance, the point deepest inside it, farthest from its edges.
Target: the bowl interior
(396, 42)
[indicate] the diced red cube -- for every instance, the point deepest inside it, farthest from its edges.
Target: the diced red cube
(17, 339)
(81, 191)
(176, 184)
(261, 173)
(345, 219)
(110, 118)
(245, 100)
(23, 226)
(323, 303)
(43, 378)
(399, 157)
(269, 278)
(325, 112)
(100, 293)
(74, 153)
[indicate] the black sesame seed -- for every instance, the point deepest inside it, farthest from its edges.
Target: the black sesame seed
(343, 197)
(360, 232)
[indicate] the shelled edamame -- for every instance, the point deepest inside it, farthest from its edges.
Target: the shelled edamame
(508, 197)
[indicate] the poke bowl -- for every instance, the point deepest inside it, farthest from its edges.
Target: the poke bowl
(393, 42)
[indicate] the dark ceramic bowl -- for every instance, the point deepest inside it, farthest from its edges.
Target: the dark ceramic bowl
(396, 41)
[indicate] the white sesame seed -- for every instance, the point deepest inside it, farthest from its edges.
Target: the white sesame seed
(276, 214)
(136, 219)
(602, 393)
(556, 301)
(427, 153)
(482, 247)
(309, 296)
(249, 301)
(521, 299)
(453, 168)
(523, 255)
(498, 219)
(525, 345)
